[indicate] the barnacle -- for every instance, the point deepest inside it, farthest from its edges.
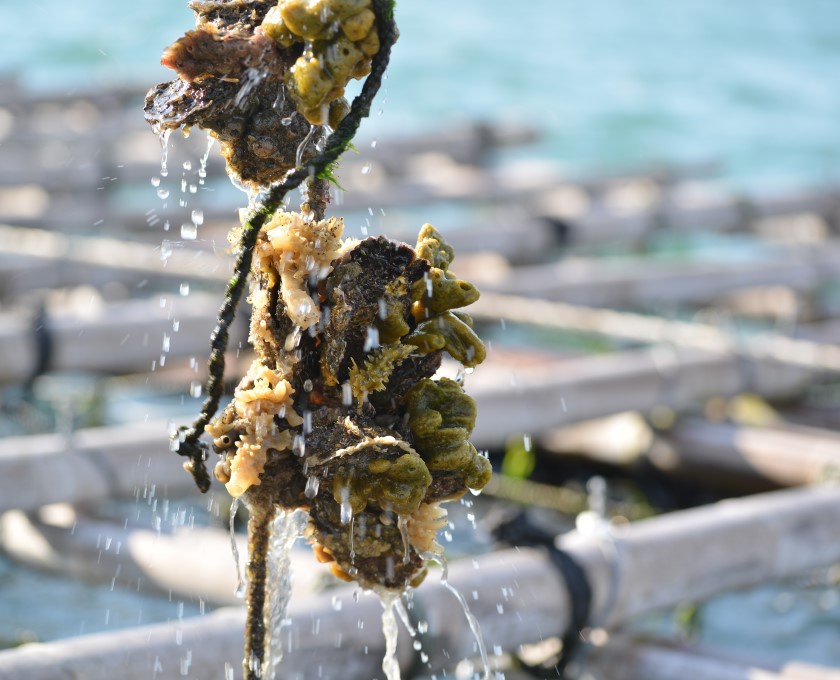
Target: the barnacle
(339, 38)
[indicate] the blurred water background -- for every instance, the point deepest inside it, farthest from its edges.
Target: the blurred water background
(612, 85)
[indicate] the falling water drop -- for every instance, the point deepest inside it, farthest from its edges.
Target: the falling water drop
(197, 217)
(240, 581)
(164, 151)
(189, 231)
(163, 193)
(312, 485)
(346, 507)
(390, 665)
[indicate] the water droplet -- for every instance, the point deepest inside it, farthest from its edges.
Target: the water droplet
(163, 193)
(312, 485)
(346, 394)
(189, 232)
(164, 151)
(372, 339)
(155, 181)
(188, 165)
(336, 603)
(184, 289)
(198, 217)
(366, 169)
(195, 389)
(346, 508)
(193, 188)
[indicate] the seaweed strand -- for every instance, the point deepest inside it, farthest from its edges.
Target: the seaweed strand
(187, 438)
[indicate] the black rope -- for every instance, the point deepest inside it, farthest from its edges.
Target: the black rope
(188, 436)
(43, 344)
(520, 531)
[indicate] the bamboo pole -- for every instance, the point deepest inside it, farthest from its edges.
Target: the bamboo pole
(182, 561)
(517, 596)
(645, 328)
(92, 466)
(535, 399)
(623, 659)
(132, 336)
(640, 280)
(98, 464)
(782, 455)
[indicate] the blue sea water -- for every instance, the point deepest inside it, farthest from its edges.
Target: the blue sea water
(613, 84)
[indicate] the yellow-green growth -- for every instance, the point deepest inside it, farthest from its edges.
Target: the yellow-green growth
(376, 372)
(451, 332)
(399, 485)
(432, 247)
(340, 38)
(441, 417)
(435, 296)
(391, 322)
(439, 291)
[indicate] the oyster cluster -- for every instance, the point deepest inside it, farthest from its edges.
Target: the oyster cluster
(340, 414)
(257, 74)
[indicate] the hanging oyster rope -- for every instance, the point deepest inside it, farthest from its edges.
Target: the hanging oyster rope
(355, 432)
(339, 414)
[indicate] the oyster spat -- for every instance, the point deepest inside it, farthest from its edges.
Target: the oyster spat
(341, 414)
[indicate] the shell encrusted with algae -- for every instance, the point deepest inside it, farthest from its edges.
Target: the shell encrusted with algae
(340, 413)
(258, 74)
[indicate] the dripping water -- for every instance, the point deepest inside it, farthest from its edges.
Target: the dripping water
(302, 147)
(240, 580)
(390, 665)
(286, 528)
(164, 151)
(202, 170)
(402, 523)
(475, 627)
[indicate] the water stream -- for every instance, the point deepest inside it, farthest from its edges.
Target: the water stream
(286, 528)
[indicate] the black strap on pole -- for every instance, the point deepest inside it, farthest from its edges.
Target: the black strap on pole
(520, 531)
